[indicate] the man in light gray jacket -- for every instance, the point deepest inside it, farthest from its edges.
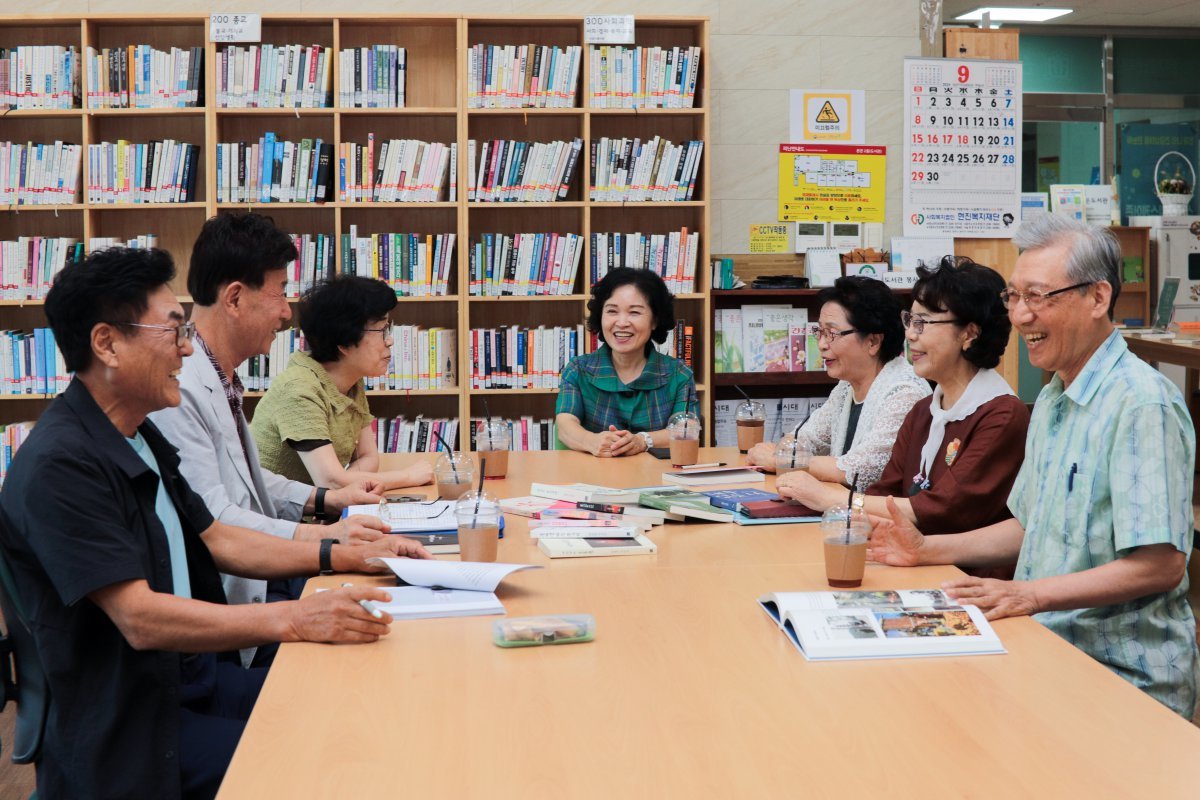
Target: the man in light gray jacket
(237, 279)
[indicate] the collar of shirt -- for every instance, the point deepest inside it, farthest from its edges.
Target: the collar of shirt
(234, 390)
(341, 402)
(654, 375)
(1091, 377)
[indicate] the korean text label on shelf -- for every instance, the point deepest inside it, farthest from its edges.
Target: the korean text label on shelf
(227, 27)
(608, 29)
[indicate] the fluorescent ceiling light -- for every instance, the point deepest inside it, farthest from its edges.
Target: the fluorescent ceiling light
(1005, 14)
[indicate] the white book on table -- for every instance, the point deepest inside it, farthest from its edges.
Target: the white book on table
(425, 602)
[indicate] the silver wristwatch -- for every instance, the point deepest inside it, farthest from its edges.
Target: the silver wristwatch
(647, 438)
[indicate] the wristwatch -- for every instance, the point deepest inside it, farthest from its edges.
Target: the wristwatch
(325, 556)
(647, 439)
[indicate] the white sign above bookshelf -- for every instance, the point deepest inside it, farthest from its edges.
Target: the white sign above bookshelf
(235, 27)
(608, 29)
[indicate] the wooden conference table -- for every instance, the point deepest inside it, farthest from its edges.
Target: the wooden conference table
(1183, 351)
(690, 690)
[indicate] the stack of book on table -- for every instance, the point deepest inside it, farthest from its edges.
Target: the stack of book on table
(445, 588)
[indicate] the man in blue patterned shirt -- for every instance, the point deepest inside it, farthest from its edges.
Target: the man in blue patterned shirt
(1102, 525)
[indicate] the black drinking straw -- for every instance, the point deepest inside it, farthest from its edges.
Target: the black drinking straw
(449, 454)
(479, 493)
(488, 415)
(743, 393)
(850, 507)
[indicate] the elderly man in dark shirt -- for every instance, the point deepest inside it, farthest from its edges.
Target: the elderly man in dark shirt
(117, 559)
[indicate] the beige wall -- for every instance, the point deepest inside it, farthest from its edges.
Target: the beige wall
(760, 50)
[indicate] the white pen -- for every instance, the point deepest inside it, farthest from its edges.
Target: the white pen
(371, 609)
(705, 466)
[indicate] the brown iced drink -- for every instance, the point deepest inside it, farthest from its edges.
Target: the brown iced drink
(844, 563)
(749, 433)
(497, 463)
(451, 489)
(684, 452)
(479, 543)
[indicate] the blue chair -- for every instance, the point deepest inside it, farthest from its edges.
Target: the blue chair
(21, 675)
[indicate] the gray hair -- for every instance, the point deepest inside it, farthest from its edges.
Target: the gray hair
(1094, 255)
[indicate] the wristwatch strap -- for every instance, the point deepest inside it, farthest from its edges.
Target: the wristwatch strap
(647, 438)
(319, 502)
(325, 556)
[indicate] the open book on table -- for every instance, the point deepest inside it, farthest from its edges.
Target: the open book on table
(880, 624)
(445, 588)
(431, 524)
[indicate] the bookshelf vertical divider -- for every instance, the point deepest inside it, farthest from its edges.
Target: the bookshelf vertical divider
(177, 224)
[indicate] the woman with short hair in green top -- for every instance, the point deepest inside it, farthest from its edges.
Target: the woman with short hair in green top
(617, 401)
(314, 424)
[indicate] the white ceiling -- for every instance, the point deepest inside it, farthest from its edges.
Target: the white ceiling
(1105, 13)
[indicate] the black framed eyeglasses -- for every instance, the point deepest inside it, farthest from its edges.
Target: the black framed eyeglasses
(918, 323)
(385, 332)
(1033, 298)
(184, 331)
(831, 335)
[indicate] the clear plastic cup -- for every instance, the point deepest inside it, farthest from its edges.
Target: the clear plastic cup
(492, 442)
(751, 419)
(454, 474)
(478, 518)
(845, 545)
(792, 454)
(684, 432)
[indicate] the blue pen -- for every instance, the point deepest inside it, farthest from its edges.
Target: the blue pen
(1071, 477)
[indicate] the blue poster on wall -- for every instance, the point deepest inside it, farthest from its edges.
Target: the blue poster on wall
(1141, 145)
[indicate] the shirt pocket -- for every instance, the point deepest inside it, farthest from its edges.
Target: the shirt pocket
(1077, 506)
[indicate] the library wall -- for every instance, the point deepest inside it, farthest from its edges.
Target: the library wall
(760, 50)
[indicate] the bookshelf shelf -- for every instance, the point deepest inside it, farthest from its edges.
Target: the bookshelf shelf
(815, 377)
(437, 110)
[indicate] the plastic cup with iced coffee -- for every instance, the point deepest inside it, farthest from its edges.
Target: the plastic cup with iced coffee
(684, 432)
(454, 474)
(791, 454)
(493, 440)
(751, 421)
(478, 518)
(845, 532)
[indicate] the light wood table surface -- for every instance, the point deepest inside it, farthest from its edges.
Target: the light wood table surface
(690, 690)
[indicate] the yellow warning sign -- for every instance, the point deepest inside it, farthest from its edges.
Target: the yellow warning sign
(827, 114)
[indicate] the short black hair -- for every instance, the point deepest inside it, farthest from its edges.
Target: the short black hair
(112, 285)
(652, 287)
(236, 247)
(971, 292)
(871, 308)
(334, 312)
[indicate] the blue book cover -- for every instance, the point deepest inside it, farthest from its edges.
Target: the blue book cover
(729, 499)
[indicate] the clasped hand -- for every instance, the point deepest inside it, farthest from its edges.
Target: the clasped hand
(613, 443)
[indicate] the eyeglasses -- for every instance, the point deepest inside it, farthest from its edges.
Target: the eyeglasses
(385, 332)
(1033, 298)
(396, 513)
(833, 334)
(184, 331)
(911, 320)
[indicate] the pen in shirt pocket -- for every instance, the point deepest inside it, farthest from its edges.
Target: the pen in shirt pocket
(1071, 477)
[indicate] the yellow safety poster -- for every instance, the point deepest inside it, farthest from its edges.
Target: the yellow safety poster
(832, 183)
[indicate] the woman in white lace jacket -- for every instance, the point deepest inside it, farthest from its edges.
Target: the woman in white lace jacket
(862, 341)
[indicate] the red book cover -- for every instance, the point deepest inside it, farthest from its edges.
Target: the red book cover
(767, 509)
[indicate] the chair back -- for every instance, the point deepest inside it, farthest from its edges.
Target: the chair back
(24, 680)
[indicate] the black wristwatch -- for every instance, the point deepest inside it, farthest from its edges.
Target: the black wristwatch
(325, 557)
(319, 502)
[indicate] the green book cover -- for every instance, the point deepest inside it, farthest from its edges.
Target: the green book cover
(1134, 271)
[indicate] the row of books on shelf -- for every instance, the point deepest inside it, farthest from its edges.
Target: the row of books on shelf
(29, 264)
(671, 256)
(273, 76)
(525, 433)
(525, 264)
(655, 170)
(162, 171)
(517, 171)
(402, 435)
(516, 357)
(372, 76)
(413, 264)
(274, 171)
(421, 359)
(765, 338)
(38, 174)
(522, 76)
(316, 262)
(12, 436)
(643, 77)
(784, 415)
(405, 171)
(31, 364)
(678, 344)
(141, 76)
(39, 76)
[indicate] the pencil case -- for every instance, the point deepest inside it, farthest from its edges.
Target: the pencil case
(534, 631)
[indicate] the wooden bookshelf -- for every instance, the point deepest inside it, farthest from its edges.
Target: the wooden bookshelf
(435, 109)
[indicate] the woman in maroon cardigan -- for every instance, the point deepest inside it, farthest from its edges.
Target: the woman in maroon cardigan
(958, 452)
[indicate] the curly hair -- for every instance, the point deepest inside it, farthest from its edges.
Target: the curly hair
(652, 287)
(971, 292)
(871, 308)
